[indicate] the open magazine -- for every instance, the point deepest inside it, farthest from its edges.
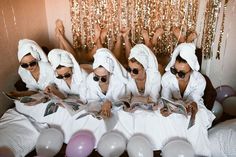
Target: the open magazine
(134, 103)
(178, 107)
(72, 103)
(31, 100)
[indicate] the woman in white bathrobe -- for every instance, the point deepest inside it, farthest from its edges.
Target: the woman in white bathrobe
(34, 70)
(144, 77)
(70, 79)
(144, 80)
(107, 83)
(183, 82)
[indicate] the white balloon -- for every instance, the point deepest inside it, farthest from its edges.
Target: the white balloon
(229, 105)
(217, 110)
(139, 146)
(178, 148)
(49, 142)
(112, 144)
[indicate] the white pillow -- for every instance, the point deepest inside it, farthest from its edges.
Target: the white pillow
(223, 139)
(17, 133)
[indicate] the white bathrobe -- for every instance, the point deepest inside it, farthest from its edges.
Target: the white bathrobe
(153, 78)
(46, 75)
(197, 134)
(117, 81)
(78, 84)
(144, 121)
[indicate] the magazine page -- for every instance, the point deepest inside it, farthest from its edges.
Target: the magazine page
(176, 107)
(73, 104)
(35, 99)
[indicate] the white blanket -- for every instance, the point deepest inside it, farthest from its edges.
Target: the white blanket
(62, 120)
(17, 133)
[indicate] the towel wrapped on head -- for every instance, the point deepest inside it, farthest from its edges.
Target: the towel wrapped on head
(61, 57)
(187, 52)
(104, 57)
(27, 46)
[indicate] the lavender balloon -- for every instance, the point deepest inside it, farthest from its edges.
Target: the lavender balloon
(81, 144)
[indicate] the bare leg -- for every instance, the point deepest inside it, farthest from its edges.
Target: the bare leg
(156, 35)
(125, 35)
(118, 46)
(178, 35)
(103, 35)
(97, 40)
(191, 37)
(63, 43)
(147, 41)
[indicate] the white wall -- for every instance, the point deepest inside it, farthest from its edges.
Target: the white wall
(223, 71)
(18, 19)
(58, 9)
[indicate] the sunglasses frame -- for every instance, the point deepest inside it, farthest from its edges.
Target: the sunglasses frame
(100, 78)
(135, 71)
(65, 76)
(180, 73)
(30, 64)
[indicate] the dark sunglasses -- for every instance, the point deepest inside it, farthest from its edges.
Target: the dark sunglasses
(181, 74)
(100, 78)
(134, 70)
(30, 64)
(65, 76)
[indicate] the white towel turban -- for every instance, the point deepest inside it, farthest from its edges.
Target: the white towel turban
(187, 52)
(26, 46)
(104, 57)
(144, 56)
(61, 57)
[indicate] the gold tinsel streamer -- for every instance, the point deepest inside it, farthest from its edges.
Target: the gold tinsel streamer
(211, 18)
(221, 32)
(136, 14)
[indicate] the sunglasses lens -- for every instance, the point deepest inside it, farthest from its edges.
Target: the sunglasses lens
(128, 69)
(103, 79)
(181, 74)
(24, 66)
(95, 78)
(59, 77)
(33, 63)
(135, 71)
(173, 70)
(67, 75)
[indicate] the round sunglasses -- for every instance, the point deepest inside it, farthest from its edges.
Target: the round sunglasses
(30, 64)
(180, 73)
(100, 78)
(65, 76)
(134, 70)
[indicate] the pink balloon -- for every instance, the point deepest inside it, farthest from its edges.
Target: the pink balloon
(81, 144)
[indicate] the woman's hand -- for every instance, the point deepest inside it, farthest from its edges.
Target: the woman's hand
(165, 112)
(106, 109)
(191, 107)
(52, 89)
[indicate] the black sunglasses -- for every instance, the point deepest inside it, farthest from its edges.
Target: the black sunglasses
(100, 78)
(134, 70)
(30, 64)
(181, 74)
(65, 76)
